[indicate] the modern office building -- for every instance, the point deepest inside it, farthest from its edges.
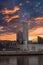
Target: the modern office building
(22, 36)
(25, 31)
(25, 34)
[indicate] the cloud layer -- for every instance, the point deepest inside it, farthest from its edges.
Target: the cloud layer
(13, 12)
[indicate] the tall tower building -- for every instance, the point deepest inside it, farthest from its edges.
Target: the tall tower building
(25, 34)
(22, 36)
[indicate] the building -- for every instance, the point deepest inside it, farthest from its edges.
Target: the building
(40, 40)
(20, 37)
(8, 45)
(25, 31)
(25, 34)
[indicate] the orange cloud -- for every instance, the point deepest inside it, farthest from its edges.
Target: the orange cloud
(35, 32)
(7, 11)
(8, 19)
(8, 36)
(38, 20)
(32, 34)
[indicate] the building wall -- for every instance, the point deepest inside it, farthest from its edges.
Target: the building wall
(32, 47)
(25, 31)
(35, 47)
(25, 34)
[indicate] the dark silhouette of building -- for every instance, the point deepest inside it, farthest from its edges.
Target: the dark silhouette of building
(20, 37)
(8, 45)
(40, 40)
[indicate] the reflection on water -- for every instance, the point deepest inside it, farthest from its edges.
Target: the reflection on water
(21, 60)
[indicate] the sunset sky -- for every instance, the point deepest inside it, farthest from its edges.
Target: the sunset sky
(13, 12)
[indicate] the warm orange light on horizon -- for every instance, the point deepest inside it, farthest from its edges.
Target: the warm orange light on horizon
(8, 36)
(35, 32)
(32, 34)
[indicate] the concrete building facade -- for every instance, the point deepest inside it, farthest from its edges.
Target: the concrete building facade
(25, 34)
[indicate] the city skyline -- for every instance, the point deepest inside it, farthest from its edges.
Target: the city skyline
(14, 11)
